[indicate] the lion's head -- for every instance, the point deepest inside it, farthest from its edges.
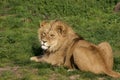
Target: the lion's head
(52, 35)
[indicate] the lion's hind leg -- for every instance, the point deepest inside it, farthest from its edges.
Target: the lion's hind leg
(107, 53)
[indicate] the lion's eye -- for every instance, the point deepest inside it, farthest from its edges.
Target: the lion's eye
(43, 34)
(52, 35)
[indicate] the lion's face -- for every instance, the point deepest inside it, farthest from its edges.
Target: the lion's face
(51, 35)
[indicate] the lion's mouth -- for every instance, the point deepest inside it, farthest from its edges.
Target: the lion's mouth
(44, 47)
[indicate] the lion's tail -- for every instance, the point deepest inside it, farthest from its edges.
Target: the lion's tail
(113, 73)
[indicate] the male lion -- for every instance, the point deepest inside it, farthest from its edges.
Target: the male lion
(62, 46)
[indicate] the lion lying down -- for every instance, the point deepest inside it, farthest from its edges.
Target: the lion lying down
(62, 46)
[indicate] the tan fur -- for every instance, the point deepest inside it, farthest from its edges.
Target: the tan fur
(62, 46)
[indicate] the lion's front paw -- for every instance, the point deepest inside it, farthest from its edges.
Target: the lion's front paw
(70, 70)
(67, 65)
(34, 59)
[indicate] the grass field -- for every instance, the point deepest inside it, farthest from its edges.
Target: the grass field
(19, 21)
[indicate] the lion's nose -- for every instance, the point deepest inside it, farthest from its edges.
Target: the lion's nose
(44, 41)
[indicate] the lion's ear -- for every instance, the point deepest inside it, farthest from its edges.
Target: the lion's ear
(61, 28)
(42, 23)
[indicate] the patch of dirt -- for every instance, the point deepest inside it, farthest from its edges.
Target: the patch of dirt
(54, 76)
(18, 71)
(9, 68)
(74, 77)
(101, 78)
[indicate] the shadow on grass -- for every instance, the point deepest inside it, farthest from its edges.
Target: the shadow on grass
(36, 49)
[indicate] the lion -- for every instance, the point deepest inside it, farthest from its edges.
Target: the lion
(63, 47)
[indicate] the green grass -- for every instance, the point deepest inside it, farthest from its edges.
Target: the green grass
(19, 21)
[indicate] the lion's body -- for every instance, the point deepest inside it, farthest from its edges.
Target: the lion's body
(62, 46)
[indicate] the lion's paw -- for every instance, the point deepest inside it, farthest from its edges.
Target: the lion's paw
(70, 70)
(34, 59)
